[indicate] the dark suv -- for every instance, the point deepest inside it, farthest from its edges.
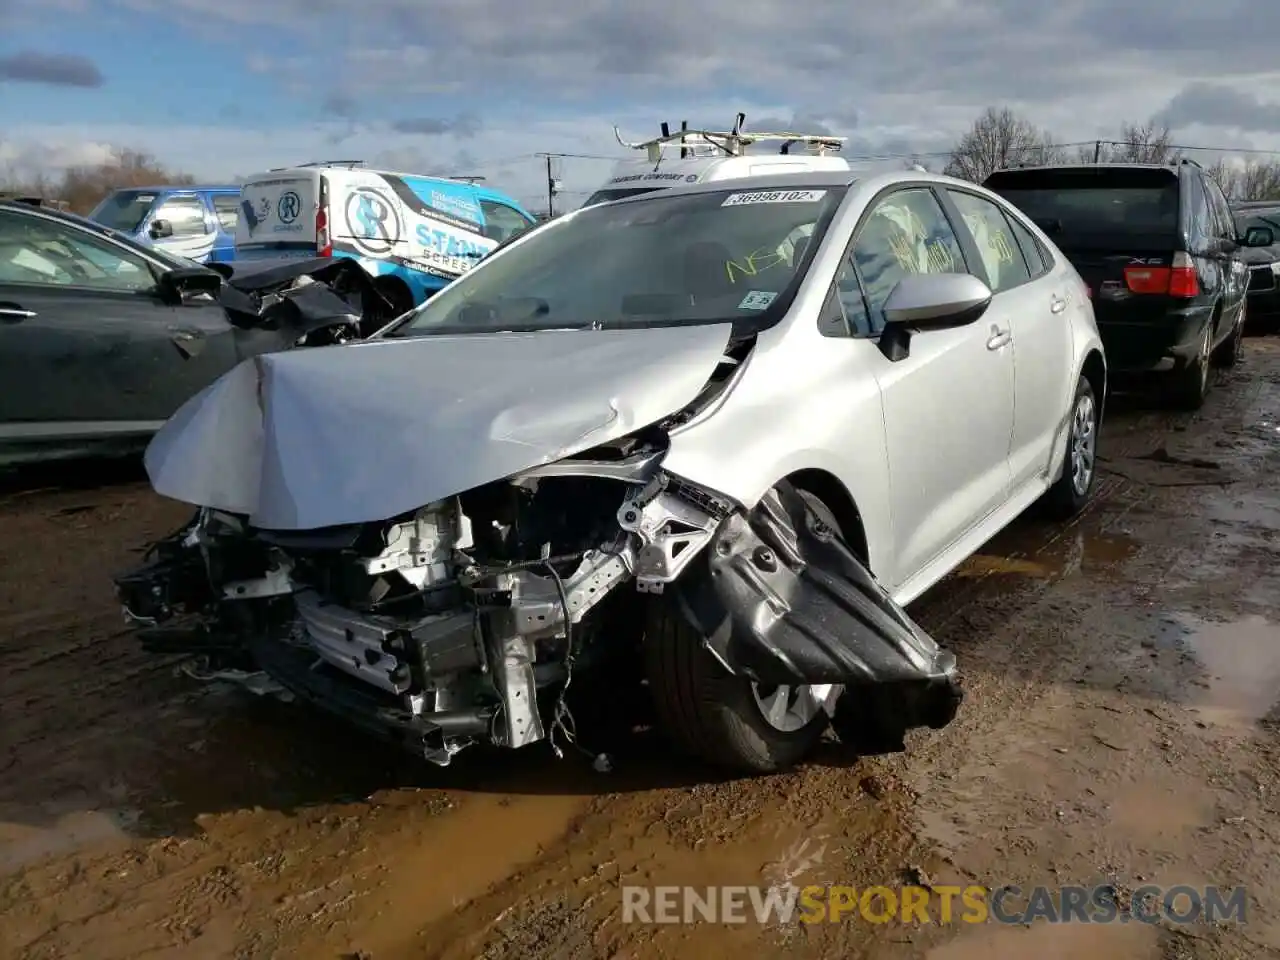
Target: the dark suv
(1158, 247)
(1264, 262)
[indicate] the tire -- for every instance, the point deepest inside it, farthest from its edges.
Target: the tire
(716, 716)
(1189, 386)
(1228, 354)
(1072, 490)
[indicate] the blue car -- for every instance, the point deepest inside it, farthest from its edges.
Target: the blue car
(196, 222)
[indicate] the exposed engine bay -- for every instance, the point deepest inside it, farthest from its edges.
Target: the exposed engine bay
(464, 621)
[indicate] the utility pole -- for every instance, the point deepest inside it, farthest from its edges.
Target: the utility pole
(1097, 150)
(551, 190)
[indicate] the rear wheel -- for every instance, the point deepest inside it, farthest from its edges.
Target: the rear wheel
(728, 720)
(1189, 386)
(1228, 354)
(1069, 494)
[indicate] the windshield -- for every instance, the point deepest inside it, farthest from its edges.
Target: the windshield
(124, 210)
(1268, 219)
(731, 255)
(604, 196)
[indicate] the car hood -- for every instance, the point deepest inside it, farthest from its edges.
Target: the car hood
(349, 434)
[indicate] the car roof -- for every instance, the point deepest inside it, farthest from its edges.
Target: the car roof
(179, 188)
(1122, 165)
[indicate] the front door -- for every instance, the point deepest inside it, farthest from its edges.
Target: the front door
(948, 406)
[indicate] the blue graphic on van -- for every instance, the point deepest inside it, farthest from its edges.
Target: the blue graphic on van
(450, 244)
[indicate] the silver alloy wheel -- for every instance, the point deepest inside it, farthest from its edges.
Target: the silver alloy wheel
(1084, 444)
(788, 709)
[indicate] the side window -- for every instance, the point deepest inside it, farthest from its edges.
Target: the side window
(1001, 256)
(502, 222)
(226, 207)
(1226, 222)
(907, 232)
(1036, 262)
(49, 253)
(185, 215)
(1204, 222)
(853, 302)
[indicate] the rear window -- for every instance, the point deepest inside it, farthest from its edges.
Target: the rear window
(1095, 206)
(124, 210)
(604, 196)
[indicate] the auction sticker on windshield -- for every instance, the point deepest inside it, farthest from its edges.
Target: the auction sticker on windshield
(774, 196)
(757, 300)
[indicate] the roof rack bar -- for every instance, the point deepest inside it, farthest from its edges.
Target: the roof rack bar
(732, 143)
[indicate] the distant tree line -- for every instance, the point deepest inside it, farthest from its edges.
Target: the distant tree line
(80, 188)
(1001, 138)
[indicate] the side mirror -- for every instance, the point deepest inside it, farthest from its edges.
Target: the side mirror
(1259, 237)
(930, 301)
(160, 229)
(182, 283)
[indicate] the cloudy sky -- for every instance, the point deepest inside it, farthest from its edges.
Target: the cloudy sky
(221, 88)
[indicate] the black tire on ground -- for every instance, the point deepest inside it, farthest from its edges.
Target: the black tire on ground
(1187, 388)
(1228, 352)
(709, 712)
(1071, 491)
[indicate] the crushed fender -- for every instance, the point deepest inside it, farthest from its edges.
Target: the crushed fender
(782, 600)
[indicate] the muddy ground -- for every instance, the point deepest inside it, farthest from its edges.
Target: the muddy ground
(1121, 676)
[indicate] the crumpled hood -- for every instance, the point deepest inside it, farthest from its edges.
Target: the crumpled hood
(363, 432)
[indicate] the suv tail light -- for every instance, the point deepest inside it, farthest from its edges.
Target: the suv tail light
(1179, 280)
(324, 246)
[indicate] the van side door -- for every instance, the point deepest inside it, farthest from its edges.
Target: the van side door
(224, 206)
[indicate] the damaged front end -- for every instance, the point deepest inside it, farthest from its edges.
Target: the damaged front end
(464, 621)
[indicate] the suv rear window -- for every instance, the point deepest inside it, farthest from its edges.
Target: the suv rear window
(1095, 207)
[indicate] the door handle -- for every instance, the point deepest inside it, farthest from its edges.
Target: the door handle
(998, 338)
(12, 313)
(1057, 305)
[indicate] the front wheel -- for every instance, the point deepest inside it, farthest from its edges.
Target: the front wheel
(728, 720)
(1069, 494)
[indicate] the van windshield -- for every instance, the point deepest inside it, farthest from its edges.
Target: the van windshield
(124, 210)
(664, 260)
(1091, 206)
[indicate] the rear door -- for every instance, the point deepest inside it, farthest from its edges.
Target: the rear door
(87, 348)
(1120, 228)
(277, 215)
(1035, 303)
(180, 224)
(1235, 272)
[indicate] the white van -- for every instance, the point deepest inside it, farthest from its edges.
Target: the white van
(414, 233)
(701, 156)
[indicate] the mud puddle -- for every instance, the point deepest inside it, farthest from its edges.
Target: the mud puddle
(1059, 942)
(1240, 664)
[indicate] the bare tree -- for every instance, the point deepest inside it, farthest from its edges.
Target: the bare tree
(82, 187)
(1000, 138)
(1141, 143)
